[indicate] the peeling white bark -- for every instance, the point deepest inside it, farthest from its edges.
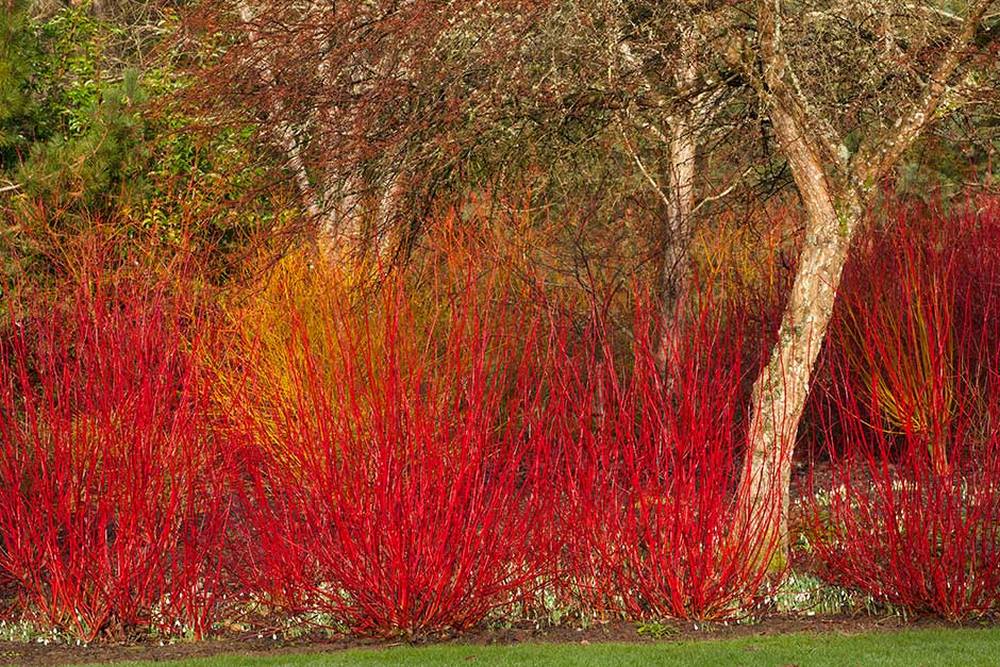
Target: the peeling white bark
(284, 134)
(780, 392)
(834, 192)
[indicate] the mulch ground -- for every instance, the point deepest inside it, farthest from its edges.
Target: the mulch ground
(30, 654)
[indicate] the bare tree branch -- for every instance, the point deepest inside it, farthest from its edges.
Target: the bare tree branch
(876, 157)
(782, 87)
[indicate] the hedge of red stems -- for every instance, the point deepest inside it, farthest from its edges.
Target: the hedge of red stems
(418, 471)
(912, 513)
(650, 511)
(406, 494)
(113, 499)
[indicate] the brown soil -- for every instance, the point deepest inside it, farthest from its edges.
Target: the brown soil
(30, 654)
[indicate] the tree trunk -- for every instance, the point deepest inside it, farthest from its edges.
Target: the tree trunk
(284, 134)
(833, 207)
(385, 220)
(676, 268)
(780, 392)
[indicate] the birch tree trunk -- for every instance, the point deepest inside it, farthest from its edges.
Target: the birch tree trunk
(780, 392)
(676, 268)
(682, 151)
(285, 135)
(834, 187)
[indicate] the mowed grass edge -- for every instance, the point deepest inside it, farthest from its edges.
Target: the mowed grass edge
(908, 648)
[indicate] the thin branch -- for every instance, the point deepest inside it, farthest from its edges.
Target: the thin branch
(724, 192)
(642, 168)
(951, 16)
(875, 158)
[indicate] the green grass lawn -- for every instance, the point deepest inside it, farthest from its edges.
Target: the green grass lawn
(910, 648)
